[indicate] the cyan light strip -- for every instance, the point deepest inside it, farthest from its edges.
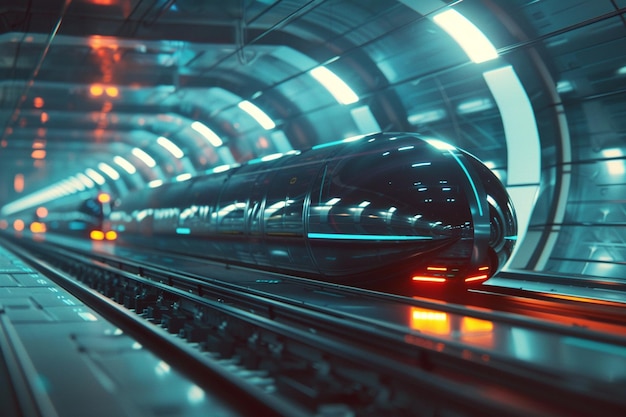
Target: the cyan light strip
(480, 208)
(344, 236)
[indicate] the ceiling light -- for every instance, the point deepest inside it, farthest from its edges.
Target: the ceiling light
(128, 167)
(474, 106)
(257, 114)
(94, 175)
(144, 157)
(85, 180)
(335, 85)
(616, 166)
(475, 44)
(107, 169)
(207, 133)
(170, 147)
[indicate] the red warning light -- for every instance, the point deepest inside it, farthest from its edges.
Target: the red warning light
(421, 278)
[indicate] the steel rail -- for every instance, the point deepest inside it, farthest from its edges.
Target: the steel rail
(361, 334)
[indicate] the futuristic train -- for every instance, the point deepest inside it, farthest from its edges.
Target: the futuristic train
(370, 209)
(376, 210)
(87, 219)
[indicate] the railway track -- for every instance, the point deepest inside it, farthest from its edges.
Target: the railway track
(295, 359)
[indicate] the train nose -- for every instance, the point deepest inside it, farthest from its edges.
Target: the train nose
(502, 218)
(503, 225)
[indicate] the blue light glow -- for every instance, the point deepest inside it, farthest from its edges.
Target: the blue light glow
(480, 209)
(183, 230)
(344, 236)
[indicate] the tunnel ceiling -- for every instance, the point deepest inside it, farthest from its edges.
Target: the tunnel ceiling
(89, 85)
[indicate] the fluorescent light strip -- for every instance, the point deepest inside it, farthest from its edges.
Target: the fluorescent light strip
(257, 114)
(107, 169)
(94, 175)
(127, 166)
(471, 181)
(615, 167)
(85, 180)
(335, 85)
(144, 157)
(207, 133)
(475, 44)
(342, 236)
(170, 147)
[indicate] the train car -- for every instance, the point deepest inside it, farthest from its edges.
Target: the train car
(88, 218)
(379, 208)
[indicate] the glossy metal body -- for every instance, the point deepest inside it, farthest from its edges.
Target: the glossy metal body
(89, 218)
(365, 209)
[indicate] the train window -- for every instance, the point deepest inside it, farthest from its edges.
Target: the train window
(285, 201)
(391, 193)
(232, 210)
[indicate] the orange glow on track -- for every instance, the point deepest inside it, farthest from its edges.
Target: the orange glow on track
(430, 321)
(428, 279)
(472, 324)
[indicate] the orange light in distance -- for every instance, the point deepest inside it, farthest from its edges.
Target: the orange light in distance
(18, 225)
(38, 102)
(96, 235)
(38, 154)
(41, 212)
(110, 235)
(104, 198)
(3, 224)
(112, 91)
(18, 183)
(39, 143)
(38, 227)
(96, 90)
